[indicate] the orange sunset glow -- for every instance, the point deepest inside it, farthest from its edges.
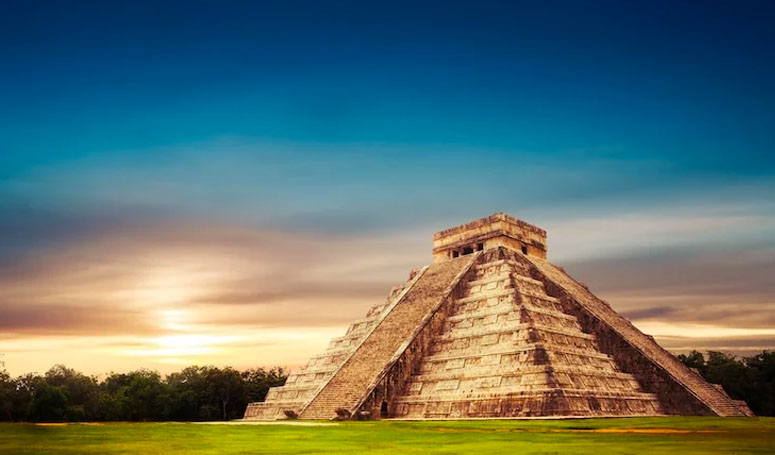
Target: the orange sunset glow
(165, 295)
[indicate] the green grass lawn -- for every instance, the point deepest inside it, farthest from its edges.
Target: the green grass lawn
(674, 435)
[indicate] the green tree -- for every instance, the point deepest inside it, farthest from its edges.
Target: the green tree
(730, 372)
(141, 395)
(21, 394)
(188, 391)
(226, 387)
(49, 404)
(112, 406)
(761, 397)
(194, 393)
(694, 360)
(7, 389)
(82, 391)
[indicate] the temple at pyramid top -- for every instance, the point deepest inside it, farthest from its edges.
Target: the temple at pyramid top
(497, 230)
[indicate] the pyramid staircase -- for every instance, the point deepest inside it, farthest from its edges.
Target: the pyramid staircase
(507, 350)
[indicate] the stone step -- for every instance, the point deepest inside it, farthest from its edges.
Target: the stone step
(504, 394)
(297, 387)
(509, 327)
(270, 411)
(485, 295)
(486, 289)
(514, 265)
(304, 382)
(562, 331)
(332, 352)
(489, 311)
(508, 307)
(557, 349)
(474, 372)
(506, 303)
(314, 370)
(504, 349)
(505, 276)
(557, 314)
(278, 403)
(481, 351)
(501, 293)
(518, 370)
(363, 324)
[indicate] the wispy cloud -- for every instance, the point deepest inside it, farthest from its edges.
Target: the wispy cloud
(169, 283)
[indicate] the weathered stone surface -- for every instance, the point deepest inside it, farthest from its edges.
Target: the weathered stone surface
(353, 379)
(303, 384)
(492, 329)
(506, 350)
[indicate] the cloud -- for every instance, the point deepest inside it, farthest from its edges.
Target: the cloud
(236, 251)
(729, 287)
(128, 291)
(738, 345)
(741, 342)
(649, 313)
(66, 319)
(134, 271)
(295, 289)
(629, 233)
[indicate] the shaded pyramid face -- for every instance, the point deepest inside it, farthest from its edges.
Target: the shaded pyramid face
(492, 329)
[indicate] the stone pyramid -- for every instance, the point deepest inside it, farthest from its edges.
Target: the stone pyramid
(492, 329)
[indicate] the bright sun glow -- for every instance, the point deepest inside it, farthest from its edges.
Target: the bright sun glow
(173, 320)
(182, 345)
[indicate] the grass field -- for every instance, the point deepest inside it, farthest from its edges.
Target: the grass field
(674, 435)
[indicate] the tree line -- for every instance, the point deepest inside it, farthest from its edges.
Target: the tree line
(751, 379)
(210, 393)
(193, 394)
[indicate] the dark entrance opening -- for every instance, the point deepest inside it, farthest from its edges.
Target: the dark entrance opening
(383, 410)
(467, 250)
(524, 249)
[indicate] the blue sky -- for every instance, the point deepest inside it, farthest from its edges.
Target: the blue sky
(632, 132)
